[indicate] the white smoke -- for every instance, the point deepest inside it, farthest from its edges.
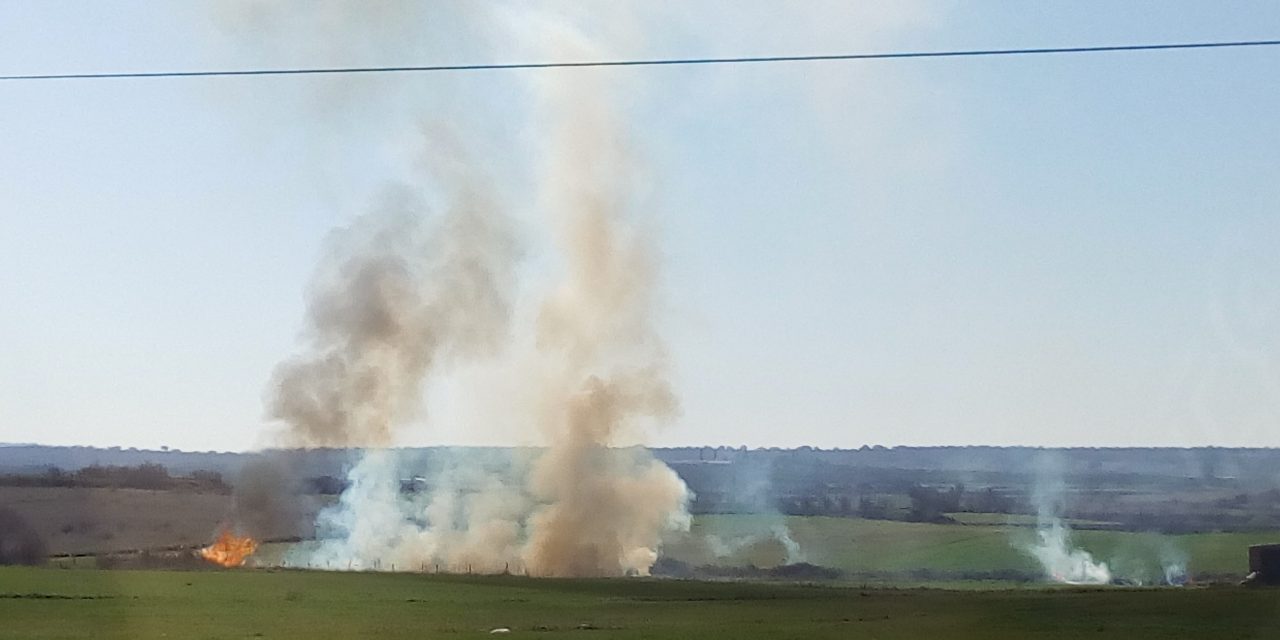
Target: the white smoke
(727, 547)
(471, 519)
(1062, 562)
(1175, 574)
(1052, 547)
(1173, 564)
(782, 534)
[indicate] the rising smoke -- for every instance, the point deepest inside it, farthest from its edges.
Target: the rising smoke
(779, 533)
(396, 292)
(1060, 559)
(753, 489)
(1173, 564)
(404, 293)
(269, 501)
(605, 368)
(1151, 559)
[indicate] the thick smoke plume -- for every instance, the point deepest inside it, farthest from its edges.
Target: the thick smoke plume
(604, 510)
(269, 501)
(402, 293)
(396, 292)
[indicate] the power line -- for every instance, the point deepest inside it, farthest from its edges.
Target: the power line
(656, 62)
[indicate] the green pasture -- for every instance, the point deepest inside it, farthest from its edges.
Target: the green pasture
(48, 603)
(856, 545)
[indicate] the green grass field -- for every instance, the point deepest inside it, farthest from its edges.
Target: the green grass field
(886, 546)
(52, 603)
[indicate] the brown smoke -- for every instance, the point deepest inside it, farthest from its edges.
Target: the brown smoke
(400, 292)
(605, 509)
(268, 501)
(396, 292)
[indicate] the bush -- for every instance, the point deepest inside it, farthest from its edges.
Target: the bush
(19, 543)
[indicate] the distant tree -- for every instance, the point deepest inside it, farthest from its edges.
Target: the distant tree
(872, 509)
(144, 476)
(56, 477)
(953, 498)
(989, 501)
(932, 505)
(846, 505)
(210, 481)
(327, 485)
(924, 503)
(19, 543)
(830, 506)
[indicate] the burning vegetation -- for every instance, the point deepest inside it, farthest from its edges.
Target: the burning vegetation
(229, 550)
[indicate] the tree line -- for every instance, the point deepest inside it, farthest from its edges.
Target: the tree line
(143, 476)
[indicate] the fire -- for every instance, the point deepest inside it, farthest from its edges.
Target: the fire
(229, 550)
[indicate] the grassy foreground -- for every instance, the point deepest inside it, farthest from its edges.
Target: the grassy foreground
(53, 603)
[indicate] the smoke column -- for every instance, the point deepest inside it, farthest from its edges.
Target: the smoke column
(1052, 548)
(1063, 562)
(753, 486)
(604, 509)
(401, 294)
(393, 295)
(1173, 565)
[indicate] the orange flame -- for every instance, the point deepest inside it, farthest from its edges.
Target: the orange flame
(229, 550)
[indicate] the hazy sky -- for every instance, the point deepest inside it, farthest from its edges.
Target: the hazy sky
(1054, 250)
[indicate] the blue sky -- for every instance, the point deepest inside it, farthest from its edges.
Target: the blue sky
(1068, 250)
